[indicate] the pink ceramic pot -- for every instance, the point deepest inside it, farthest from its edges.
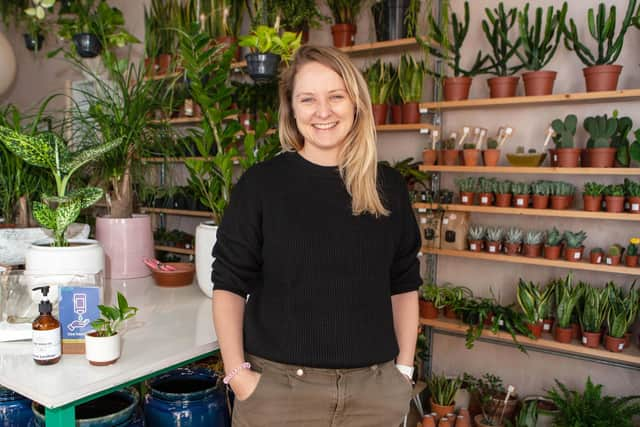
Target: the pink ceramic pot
(126, 242)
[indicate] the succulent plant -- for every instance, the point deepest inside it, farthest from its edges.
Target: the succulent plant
(614, 250)
(616, 190)
(449, 144)
(554, 237)
(494, 234)
(533, 237)
(631, 188)
(503, 187)
(575, 240)
(469, 146)
(492, 143)
(596, 251)
(632, 248)
(467, 185)
(600, 129)
(541, 188)
(514, 235)
(520, 188)
(486, 185)
(476, 232)
(539, 44)
(562, 189)
(593, 189)
(564, 131)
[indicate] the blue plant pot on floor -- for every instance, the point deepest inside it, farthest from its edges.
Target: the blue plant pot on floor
(15, 410)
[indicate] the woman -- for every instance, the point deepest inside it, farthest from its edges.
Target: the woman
(323, 243)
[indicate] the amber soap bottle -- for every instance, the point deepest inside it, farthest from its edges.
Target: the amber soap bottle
(46, 332)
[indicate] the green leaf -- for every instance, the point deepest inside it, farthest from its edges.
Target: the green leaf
(81, 157)
(65, 215)
(45, 216)
(36, 150)
(86, 196)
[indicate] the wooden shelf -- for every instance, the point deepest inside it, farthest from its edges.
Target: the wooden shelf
(175, 250)
(178, 121)
(407, 127)
(236, 160)
(560, 213)
(630, 355)
(238, 65)
(518, 259)
(605, 96)
(532, 171)
(178, 212)
(364, 48)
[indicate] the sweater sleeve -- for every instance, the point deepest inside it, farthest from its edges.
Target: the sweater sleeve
(238, 249)
(405, 270)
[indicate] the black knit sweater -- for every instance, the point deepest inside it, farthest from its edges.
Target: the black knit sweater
(320, 279)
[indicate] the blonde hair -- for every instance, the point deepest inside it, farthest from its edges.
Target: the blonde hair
(358, 158)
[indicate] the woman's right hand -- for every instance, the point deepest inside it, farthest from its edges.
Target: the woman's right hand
(244, 384)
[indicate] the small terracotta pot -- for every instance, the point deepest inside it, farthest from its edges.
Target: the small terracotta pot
(427, 309)
(592, 203)
(547, 325)
(552, 252)
(150, 66)
(451, 157)
(343, 34)
(396, 115)
(466, 198)
(441, 410)
(614, 203)
(493, 247)
(576, 333)
(540, 201)
(512, 248)
(601, 157)
(503, 200)
(568, 157)
(563, 334)
(450, 313)
(634, 204)
(521, 200)
(485, 199)
(538, 83)
(428, 421)
(429, 157)
(596, 257)
(476, 245)
(591, 339)
(440, 154)
(470, 156)
(553, 158)
(380, 113)
(601, 77)
(456, 88)
(503, 87)
(612, 259)
(535, 328)
(573, 254)
(491, 157)
(410, 113)
(584, 158)
(531, 251)
(615, 345)
(560, 202)
(631, 260)
(627, 339)
(164, 63)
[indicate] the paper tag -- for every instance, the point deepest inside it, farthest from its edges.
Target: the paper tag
(422, 210)
(465, 199)
(492, 248)
(577, 255)
(484, 200)
(473, 246)
(555, 157)
(621, 346)
(609, 261)
(453, 217)
(520, 202)
(445, 221)
(546, 327)
(599, 259)
(635, 207)
(423, 220)
(500, 322)
(584, 340)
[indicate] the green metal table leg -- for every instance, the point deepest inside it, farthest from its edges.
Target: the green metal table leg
(64, 416)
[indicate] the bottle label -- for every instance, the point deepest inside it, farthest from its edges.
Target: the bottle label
(46, 344)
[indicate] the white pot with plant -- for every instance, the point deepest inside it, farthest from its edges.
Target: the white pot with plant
(103, 345)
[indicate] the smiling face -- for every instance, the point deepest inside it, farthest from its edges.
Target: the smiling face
(323, 112)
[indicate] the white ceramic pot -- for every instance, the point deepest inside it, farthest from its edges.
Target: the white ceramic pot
(102, 351)
(462, 398)
(206, 234)
(83, 256)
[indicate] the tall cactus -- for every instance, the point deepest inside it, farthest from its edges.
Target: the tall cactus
(496, 30)
(538, 47)
(564, 131)
(601, 129)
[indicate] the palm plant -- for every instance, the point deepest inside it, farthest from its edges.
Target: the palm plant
(345, 11)
(300, 15)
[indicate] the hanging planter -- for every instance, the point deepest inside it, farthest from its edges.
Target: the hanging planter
(87, 45)
(268, 48)
(32, 43)
(262, 67)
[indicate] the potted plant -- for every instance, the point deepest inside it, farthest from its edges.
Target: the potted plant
(592, 196)
(446, 44)
(513, 241)
(596, 255)
(300, 16)
(562, 195)
(521, 192)
(494, 239)
(485, 190)
(475, 237)
(503, 193)
(496, 402)
(491, 155)
(632, 191)
(102, 346)
(452, 298)
(394, 97)
(411, 79)
(620, 140)
(450, 154)
(36, 27)
(631, 254)
(614, 198)
(552, 247)
(533, 301)
(601, 73)
(592, 312)
(496, 29)
(600, 152)
(378, 78)
(345, 14)
(538, 47)
(470, 154)
(532, 246)
(467, 189)
(541, 191)
(222, 19)
(567, 297)
(574, 245)
(159, 36)
(443, 389)
(430, 300)
(614, 254)
(565, 154)
(395, 19)
(267, 50)
(245, 98)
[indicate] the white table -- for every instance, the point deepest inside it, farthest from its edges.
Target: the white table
(173, 327)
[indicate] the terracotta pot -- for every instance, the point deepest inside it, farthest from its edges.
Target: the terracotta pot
(456, 88)
(503, 200)
(380, 113)
(229, 41)
(631, 260)
(427, 309)
(451, 157)
(591, 339)
(493, 247)
(410, 113)
(150, 66)
(601, 77)
(491, 157)
(568, 157)
(470, 156)
(450, 313)
(485, 199)
(440, 160)
(585, 160)
(573, 254)
(476, 245)
(596, 257)
(547, 325)
(512, 248)
(615, 203)
(164, 63)
(245, 121)
(601, 157)
(521, 200)
(428, 421)
(612, 259)
(343, 34)
(441, 410)
(538, 82)
(553, 158)
(575, 331)
(466, 198)
(560, 202)
(531, 251)
(615, 345)
(463, 421)
(592, 203)
(429, 157)
(503, 87)
(535, 329)
(552, 252)
(540, 201)
(634, 204)
(396, 116)
(627, 339)
(563, 334)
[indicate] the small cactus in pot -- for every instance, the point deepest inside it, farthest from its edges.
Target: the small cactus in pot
(494, 239)
(533, 244)
(552, 247)
(574, 245)
(475, 237)
(513, 241)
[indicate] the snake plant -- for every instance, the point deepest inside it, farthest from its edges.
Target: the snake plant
(443, 389)
(533, 300)
(410, 79)
(567, 297)
(378, 78)
(594, 309)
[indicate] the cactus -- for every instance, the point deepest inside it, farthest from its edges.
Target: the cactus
(564, 131)
(503, 187)
(601, 129)
(596, 251)
(496, 30)
(620, 139)
(518, 188)
(494, 234)
(614, 250)
(593, 189)
(575, 240)
(533, 238)
(616, 190)
(492, 143)
(476, 232)
(541, 188)
(537, 47)
(467, 185)
(449, 144)
(554, 237)
(486, 185)
(562, 189)
(469, 146)
(514, 235)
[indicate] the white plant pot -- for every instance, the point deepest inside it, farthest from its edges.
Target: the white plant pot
(102, 351)
(206, 234)
(83, 256)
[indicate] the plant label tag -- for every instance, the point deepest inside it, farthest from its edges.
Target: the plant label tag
(599, 259)
(453, 217)
(609, 261)
(546, 327)
(465, 199)
(492, 249)
(422, 210)
(423, 220)
(445, 221)
(584, 340)
(555, 157)
(635, 207)
(520, 202)
(484, 200)
(621, 346)
(500, 322)
(577, 255)
(473, 246)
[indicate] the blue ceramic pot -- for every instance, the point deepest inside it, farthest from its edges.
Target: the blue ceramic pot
(15, 410)
(186, 398)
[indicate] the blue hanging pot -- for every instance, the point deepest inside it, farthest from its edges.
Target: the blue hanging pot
(15, 410)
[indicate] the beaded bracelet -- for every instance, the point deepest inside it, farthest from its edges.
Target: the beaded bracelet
(229, 377)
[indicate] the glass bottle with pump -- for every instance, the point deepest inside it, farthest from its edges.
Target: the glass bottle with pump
(46, 332)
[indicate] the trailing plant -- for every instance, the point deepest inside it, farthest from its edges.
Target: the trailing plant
(496, 29)
(593, 309)
(503, 187)
(411, 18)
(345, 11)
(443, 389)
(534, 238)
(601, 129)
(495, 234)
(541, 188)
(616, 190)
(567, 297)
(520, 188)
(538, 44)
(564, 131)
(533, 300)
(506, 318)
(411, 79)
(593, 189)
(378, 77)
(562, 189)
(514, 235)
(467, 185)
(476, 232)
(113, 317)
(632, 248)
(554, 237)
(631, 188)
(575, 240)
(264, 39)
(453, 296)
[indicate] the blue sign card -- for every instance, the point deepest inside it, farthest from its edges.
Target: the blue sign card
(78, 308)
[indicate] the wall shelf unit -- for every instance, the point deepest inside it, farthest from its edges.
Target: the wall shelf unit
(533, 171)
(175, 250)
